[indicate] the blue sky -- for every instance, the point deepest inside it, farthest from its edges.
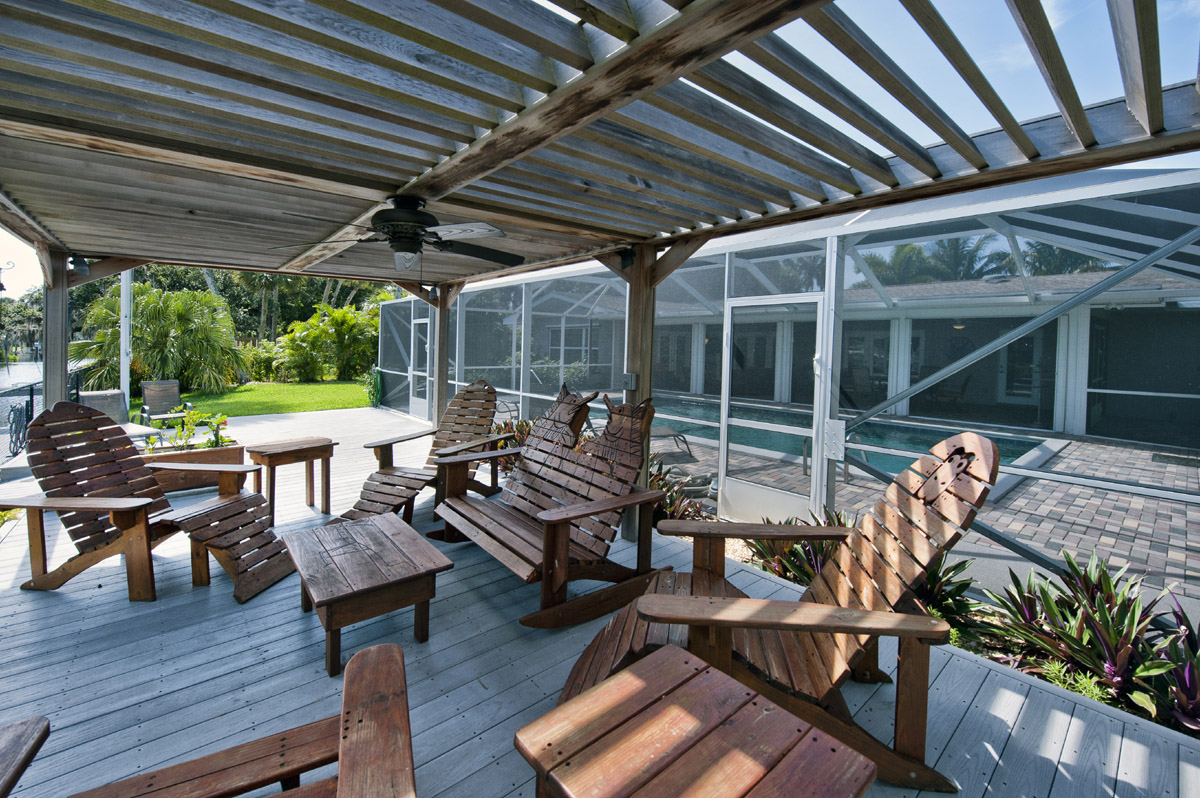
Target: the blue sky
(987, 31)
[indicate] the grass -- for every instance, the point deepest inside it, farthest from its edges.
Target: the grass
(265, 398)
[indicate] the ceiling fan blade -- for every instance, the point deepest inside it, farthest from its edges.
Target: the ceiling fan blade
(449, 232)
(483, 253)
(335, 241)
(323, 219)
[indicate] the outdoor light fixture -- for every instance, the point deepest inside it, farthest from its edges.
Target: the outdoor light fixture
(79, 264)
(959, 324)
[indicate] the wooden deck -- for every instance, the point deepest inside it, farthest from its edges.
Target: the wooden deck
(134, 686)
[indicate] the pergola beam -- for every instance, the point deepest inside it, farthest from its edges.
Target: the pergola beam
(943, 37)
(106, 267)
(1135, 31)
(1031, 19)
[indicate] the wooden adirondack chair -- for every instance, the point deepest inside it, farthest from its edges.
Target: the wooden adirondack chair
(371, 742)
(159, 400)
(798, 654)
(19, 743)
(465, 425)
(110, 503)
(561, 508)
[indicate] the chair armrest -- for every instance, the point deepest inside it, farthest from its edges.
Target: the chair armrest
(210, 468)
(471, 457)
(74, 504)
(720, 529)
(412, 436)
(789, 616)
(188, 406)
(19, 743)
(573, 512)
(467, 446)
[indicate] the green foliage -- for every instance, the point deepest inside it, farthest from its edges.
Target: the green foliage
(800, 562)
(183, 436)
(943, 591)
(1180, 686)
(519, 428)
(370, 382)
(677, 504)
(346, 338)
(265, 361)
(183, 335)
(1093, 620)
(1063, 675)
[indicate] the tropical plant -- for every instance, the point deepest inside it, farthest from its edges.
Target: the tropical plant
(303, 350)
(967, 257)
(265, 361)
(183, 436)
(352, 339)
(519, 428)
(801, 561)
(183, 335)
(1094, 621)
(1041, 259)
(1182, 681)
(677, 504)
(943, 591)
(905, 265)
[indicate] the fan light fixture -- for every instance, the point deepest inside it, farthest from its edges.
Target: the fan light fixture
(959, 324)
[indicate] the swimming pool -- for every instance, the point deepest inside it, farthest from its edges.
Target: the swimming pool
(682, 415)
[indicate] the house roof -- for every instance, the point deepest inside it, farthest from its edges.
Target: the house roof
(242, 133)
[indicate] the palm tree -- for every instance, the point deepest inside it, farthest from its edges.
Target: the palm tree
(1042, 258)
(184, 335)
(257, 282)
(968, 258)
(907, 264)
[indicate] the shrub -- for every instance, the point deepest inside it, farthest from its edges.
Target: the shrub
(943, 591)
(677, 504)
(343, 338)
(1181, 683)
(265, 361)
(800, 562)
(302, 350)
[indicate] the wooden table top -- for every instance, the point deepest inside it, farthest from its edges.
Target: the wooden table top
(289, 446)
(670, 724)
(343, 560)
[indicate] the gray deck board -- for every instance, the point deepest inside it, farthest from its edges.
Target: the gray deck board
(130, 687)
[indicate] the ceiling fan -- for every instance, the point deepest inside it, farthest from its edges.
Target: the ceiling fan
(407, 228)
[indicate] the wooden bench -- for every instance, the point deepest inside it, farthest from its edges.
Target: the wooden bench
(561, 509)
(798, 654)
(465, 426)
(672, 725)
(370, 741)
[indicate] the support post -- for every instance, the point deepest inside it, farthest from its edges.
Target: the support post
(126, 333)
(56, 331)
(823, 487)
(639, 347)
(441, 349)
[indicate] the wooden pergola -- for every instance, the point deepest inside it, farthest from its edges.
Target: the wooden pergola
(214, 132)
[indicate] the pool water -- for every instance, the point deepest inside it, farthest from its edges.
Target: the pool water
(916, 438)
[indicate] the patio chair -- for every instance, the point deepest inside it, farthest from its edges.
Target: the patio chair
(110, 403)
(464, 426)
(19, 743)
(370, 740)
(159, 400)
(110, 503)
(798, 654)
(561, 509)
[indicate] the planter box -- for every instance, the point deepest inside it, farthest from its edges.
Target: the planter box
(179, 480)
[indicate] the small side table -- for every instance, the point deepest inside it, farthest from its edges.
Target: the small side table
(297, 450)
(670, 724)
(357, 570)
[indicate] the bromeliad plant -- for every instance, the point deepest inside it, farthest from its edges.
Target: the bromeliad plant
(677, 504)
(1181, 683)
(943, 591)
(1095, 622)
(800, 562)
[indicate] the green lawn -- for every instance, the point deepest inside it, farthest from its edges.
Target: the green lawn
(264, 398)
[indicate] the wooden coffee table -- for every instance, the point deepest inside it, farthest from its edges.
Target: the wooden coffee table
(670, 724)
(357, 570)
(273, 454)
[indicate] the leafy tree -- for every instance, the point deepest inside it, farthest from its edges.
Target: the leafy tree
(353, 339)
(185, 335)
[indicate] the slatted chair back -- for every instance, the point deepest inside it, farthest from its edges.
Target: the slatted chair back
(161, 396)
(77, 451)
(924, 512)
(551, 474)
(468, 417)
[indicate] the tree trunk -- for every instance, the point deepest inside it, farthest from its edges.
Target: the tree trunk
(349, 298)
(262, 313)
(337, 289)
(208, 279)
(275, 310)
(325, 293)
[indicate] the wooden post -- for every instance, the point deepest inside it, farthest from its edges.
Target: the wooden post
(126, 342)
(639, 346)
(442, 390)
(56, 327)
